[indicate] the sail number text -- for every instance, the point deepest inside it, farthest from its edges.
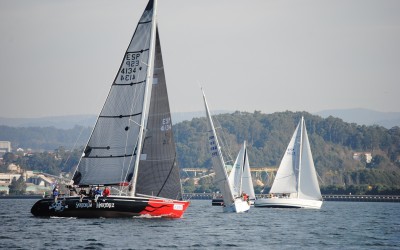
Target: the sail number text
(130, 67)
(213, 146)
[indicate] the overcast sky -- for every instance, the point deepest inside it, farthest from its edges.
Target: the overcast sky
(60, 57)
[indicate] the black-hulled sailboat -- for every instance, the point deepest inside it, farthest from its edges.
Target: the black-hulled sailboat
(131, 148)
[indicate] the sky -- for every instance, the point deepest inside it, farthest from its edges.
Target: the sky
(60, 57)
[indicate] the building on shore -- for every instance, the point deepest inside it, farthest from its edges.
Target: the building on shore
(5, 147)
(37, 183)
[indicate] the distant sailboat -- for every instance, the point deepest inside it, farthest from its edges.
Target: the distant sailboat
(131, 148)
(240, 176)
(232, 202)
(296, 183)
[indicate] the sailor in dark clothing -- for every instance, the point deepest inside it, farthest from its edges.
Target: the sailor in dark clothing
(97, 193)
(56, 193)
(82, 193)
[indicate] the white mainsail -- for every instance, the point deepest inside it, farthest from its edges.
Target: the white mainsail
(232, 203)
(296, 173)
(221, 176)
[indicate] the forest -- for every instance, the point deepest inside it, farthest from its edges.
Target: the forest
(333, 143)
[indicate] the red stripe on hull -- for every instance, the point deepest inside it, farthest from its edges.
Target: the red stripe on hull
(165, 208)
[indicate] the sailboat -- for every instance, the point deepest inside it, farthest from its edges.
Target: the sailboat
(232, 202)
(240, 176)
(131, 148)
(296, 183)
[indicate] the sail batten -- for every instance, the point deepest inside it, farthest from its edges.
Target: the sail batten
(135, 118)
(119, 143)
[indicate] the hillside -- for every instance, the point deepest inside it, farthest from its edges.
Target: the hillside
(333, 143)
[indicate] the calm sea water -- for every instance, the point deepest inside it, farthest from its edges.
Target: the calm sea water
(338, 225)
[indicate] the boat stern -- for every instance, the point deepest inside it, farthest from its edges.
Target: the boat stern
(165, 208)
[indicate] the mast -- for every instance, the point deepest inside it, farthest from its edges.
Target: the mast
(242, 168)
(300, 156)
(149, 81)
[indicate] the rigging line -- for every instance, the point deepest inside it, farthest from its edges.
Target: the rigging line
(76, 141)
(133, 121)
(169, 173)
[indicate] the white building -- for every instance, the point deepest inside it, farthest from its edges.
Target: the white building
(5, 147)
(368, 156)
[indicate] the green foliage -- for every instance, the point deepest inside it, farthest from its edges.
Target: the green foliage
(48, 162)
(17, 187)
(333, 143)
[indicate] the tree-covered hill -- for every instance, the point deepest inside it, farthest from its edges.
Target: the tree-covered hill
(333, 143)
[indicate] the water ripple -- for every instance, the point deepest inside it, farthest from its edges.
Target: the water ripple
(337, 225)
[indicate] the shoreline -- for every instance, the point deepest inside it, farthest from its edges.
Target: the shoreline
(210, 196)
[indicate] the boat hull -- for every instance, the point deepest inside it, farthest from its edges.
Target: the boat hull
(288, 203)
(239, 206)
(110, 207)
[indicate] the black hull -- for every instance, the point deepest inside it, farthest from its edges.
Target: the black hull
(110, 207)
(217, 202)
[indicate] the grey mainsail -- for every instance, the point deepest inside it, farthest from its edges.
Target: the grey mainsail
(110, 154)
(158, 172)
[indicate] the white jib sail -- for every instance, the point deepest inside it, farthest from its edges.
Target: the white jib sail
(309, 187)
(236, 174)
(286, 177)
(247, 182)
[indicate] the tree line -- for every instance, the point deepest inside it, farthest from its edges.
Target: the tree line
(333, 143)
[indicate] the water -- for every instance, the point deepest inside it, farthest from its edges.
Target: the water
(346, 225)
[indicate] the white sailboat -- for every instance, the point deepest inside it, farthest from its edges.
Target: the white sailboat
(232, 202)
(240, 176)
(296, 183)
(131, 148)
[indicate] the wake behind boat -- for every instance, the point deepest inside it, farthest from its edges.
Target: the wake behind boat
(296, 183)
(131, 148)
